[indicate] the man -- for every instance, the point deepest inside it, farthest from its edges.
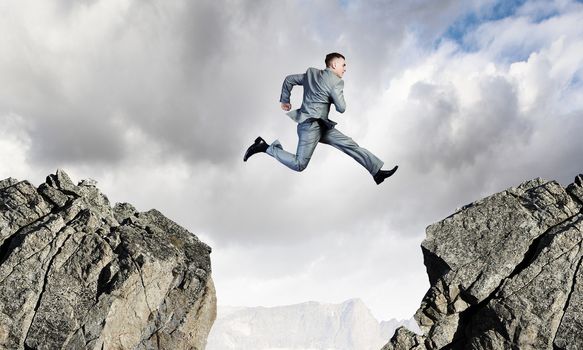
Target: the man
(321, 89)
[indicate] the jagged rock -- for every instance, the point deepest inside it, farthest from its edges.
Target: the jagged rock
(76, 273)
(505, 273)
(404, 339)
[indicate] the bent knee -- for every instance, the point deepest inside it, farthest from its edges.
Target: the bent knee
(302, 164)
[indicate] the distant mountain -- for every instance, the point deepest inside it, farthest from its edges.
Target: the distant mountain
(306, 326)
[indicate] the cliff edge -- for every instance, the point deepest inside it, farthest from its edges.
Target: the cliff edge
(505, 273)
(76, 273)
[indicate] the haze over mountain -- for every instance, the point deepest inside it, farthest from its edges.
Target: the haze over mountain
(307, 326)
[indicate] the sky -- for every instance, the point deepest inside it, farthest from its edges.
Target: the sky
(158, 100)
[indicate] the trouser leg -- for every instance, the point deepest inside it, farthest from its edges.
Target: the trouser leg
(309, 134)
(344, 143)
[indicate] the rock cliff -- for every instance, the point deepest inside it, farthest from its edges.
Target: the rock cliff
(76, 273)
(505, 273)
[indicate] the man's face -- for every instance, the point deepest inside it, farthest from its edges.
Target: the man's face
(339, 66)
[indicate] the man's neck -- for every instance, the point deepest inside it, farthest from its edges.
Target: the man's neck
(332, 71)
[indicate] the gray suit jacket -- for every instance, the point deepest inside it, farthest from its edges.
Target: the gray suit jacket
(321, 89)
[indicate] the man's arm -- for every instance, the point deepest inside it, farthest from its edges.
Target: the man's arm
(338, 97)
(288, 84)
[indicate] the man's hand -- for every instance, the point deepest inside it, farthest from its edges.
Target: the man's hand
(286, 106)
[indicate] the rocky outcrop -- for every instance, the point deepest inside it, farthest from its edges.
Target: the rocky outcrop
(76, 273)
(505, 273)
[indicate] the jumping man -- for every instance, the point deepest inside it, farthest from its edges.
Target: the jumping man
(321, 89)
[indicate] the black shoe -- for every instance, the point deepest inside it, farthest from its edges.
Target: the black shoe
(381, 175)
(259, 146)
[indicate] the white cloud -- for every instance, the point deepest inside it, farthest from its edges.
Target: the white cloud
(14, 144)
(158, 101)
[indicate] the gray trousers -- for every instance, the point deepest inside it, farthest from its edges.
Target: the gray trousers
(312, 132)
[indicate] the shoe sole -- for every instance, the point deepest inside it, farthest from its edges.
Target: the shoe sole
(394, 170)
(257, 141)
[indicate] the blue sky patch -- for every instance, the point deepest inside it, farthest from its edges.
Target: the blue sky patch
(469, 22)
(501, 9)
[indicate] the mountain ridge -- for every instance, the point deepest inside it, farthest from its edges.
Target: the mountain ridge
(349, 325)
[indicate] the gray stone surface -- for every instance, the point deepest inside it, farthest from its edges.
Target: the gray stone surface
(76, 273)
(505, 273)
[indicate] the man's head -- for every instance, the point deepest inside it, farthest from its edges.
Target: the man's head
(336, 62)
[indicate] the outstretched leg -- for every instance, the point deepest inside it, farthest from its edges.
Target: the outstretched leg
(335, 138)
(309, 133)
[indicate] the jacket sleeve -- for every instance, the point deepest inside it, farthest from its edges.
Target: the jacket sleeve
(288, 84)
(338, 97)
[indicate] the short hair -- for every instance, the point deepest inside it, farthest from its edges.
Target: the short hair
(332, 56)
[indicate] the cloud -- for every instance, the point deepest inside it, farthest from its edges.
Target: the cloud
(158, 101)
(193, 76)
(14, 144)
(482, 118)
